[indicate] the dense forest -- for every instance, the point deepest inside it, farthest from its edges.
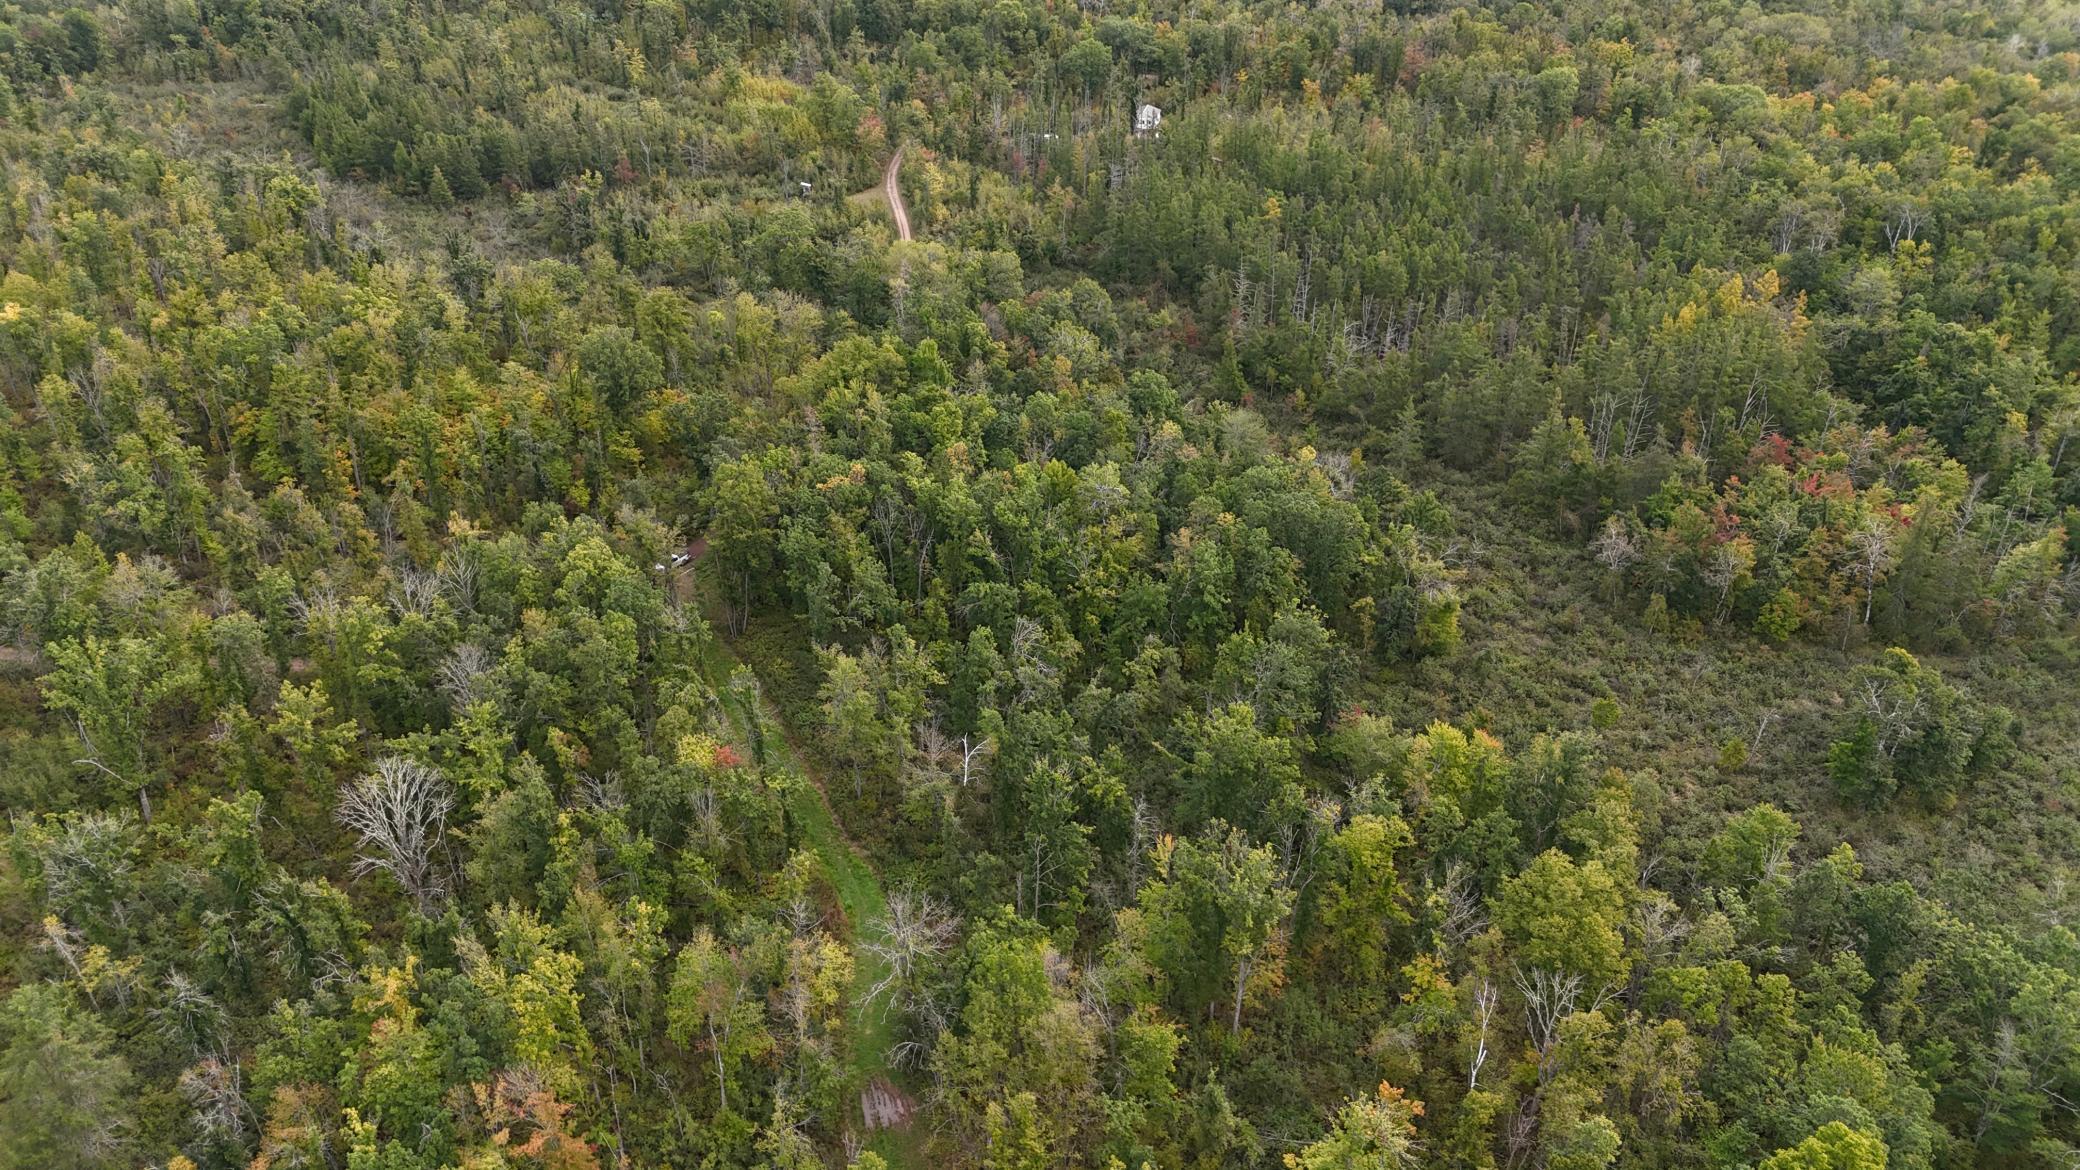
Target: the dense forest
(1495, 593)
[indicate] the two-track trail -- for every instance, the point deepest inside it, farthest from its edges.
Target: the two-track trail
(885, 1109)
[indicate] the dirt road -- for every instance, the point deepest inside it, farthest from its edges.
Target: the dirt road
(894, 190)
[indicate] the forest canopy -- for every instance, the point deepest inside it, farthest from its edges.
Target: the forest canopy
(1496, 591)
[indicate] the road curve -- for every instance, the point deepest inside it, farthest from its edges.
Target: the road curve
(894, 190)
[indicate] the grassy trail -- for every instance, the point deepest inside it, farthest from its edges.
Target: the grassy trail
(858, 888)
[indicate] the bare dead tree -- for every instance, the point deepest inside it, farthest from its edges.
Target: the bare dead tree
(1244, 297)
(89, 852)
(1755, 409)
(1464, 915)
(414, 593)
(603, 792)
(215, 1090)
(1662, 927)
(1605, 422)
(888, 515)
(461, 674)
(801, 917)
(1616, 548)
(1549, 998)
(188, 1016)
(974, 752)
(1342, 475)
(1777, 526)
(1826, 227)
(1790, 221)
(706, 826)
(924, 537)
(1302, 843)
(1896, 714)
(1908, 217)
(1357, 342)
(316, 612)
(916, 930)
(1484, 999)
(931, 758)
(1035, 672)
(1870, 555)
(1723, 567)
(400, 811)
(1036, 875)
(2006, 1050)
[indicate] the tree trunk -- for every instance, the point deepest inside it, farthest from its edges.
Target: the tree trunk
(1241, 983)
(721, 1082)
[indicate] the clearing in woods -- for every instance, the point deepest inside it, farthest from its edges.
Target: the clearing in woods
(885, 1110)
